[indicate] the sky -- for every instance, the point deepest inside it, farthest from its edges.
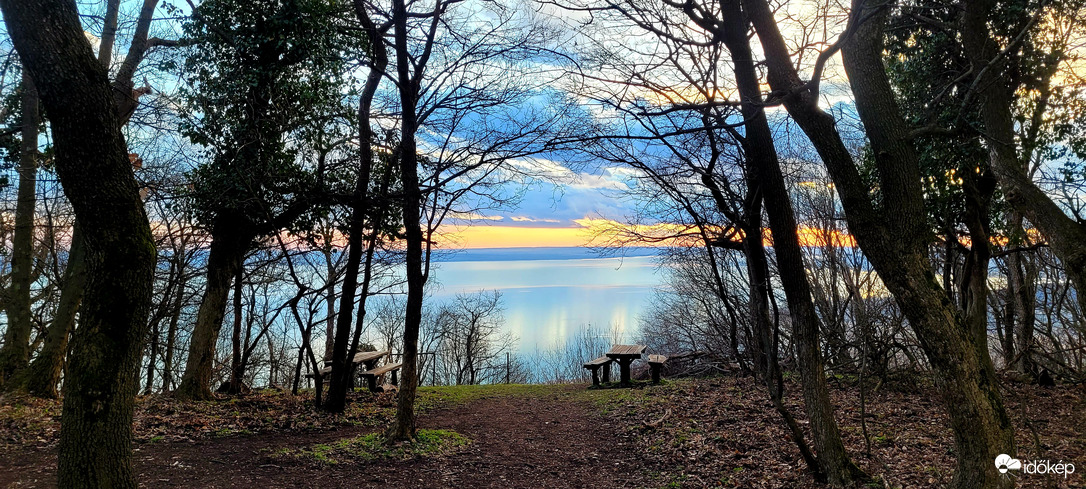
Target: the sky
(566, 208)
(561, 210)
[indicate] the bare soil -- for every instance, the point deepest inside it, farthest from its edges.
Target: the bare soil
(718, 432)
(548, 440)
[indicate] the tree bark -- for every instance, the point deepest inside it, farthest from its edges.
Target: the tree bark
(969, 390)
(44, 374)
(403, 428)
(232, 239)
(237, 365)
(101, 377)
(995, 94)
(15, 354)
(833, 460)
(973, 297)
(344, 344)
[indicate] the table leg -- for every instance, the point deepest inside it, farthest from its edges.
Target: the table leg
(607, 372)
(624, 369)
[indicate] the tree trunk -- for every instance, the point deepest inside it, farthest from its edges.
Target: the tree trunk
(894, 239)
(101, 377)
(995, 95)
(15, 354)
(403, 427)
(978, 189)
(330, 303)
(767, 338)
(1022, 298)
(237, 366)
(175, 317)
(153, 337)
(344, 343)
(230, 240)
(44, 374)
(833, 460)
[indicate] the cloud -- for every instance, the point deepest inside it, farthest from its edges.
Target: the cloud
(472, 216)
(612, 178)
(531, 219)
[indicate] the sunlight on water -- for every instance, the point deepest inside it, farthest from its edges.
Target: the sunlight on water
(548, 295)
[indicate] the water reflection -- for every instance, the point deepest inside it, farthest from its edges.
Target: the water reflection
(549, 293)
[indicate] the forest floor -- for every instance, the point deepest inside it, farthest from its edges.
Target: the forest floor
(715, 432)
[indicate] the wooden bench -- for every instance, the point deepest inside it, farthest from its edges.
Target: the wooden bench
(603, 362)
(372, 374)
(323, 373)
(656, 362)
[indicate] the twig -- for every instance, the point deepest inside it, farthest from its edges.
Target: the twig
(657, 422)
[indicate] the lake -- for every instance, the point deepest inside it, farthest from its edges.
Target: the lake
(549, 293)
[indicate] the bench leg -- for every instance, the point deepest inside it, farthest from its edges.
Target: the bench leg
(394, 381)
(655, 367)
(371, 380)
(607, 372)
(595, 376)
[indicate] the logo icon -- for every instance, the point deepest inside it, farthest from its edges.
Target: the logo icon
(1004, 463)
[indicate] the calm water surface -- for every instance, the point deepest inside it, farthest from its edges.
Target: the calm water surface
(549, 293)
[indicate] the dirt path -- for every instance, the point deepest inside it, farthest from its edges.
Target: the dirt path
(544, 441)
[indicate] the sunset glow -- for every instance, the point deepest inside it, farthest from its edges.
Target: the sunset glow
(594, 232)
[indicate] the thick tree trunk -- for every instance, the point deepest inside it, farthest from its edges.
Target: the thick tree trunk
(15, 354)
(230, 240)
(44, 374)
(101, 377)
(893, 239)
(955, 343)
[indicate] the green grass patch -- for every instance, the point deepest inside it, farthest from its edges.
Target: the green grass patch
(428, 443)
(455, 395)
(225, 432)
(631, 400)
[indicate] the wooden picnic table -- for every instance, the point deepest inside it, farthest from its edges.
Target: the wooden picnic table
(367, 358)
(624, 355)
